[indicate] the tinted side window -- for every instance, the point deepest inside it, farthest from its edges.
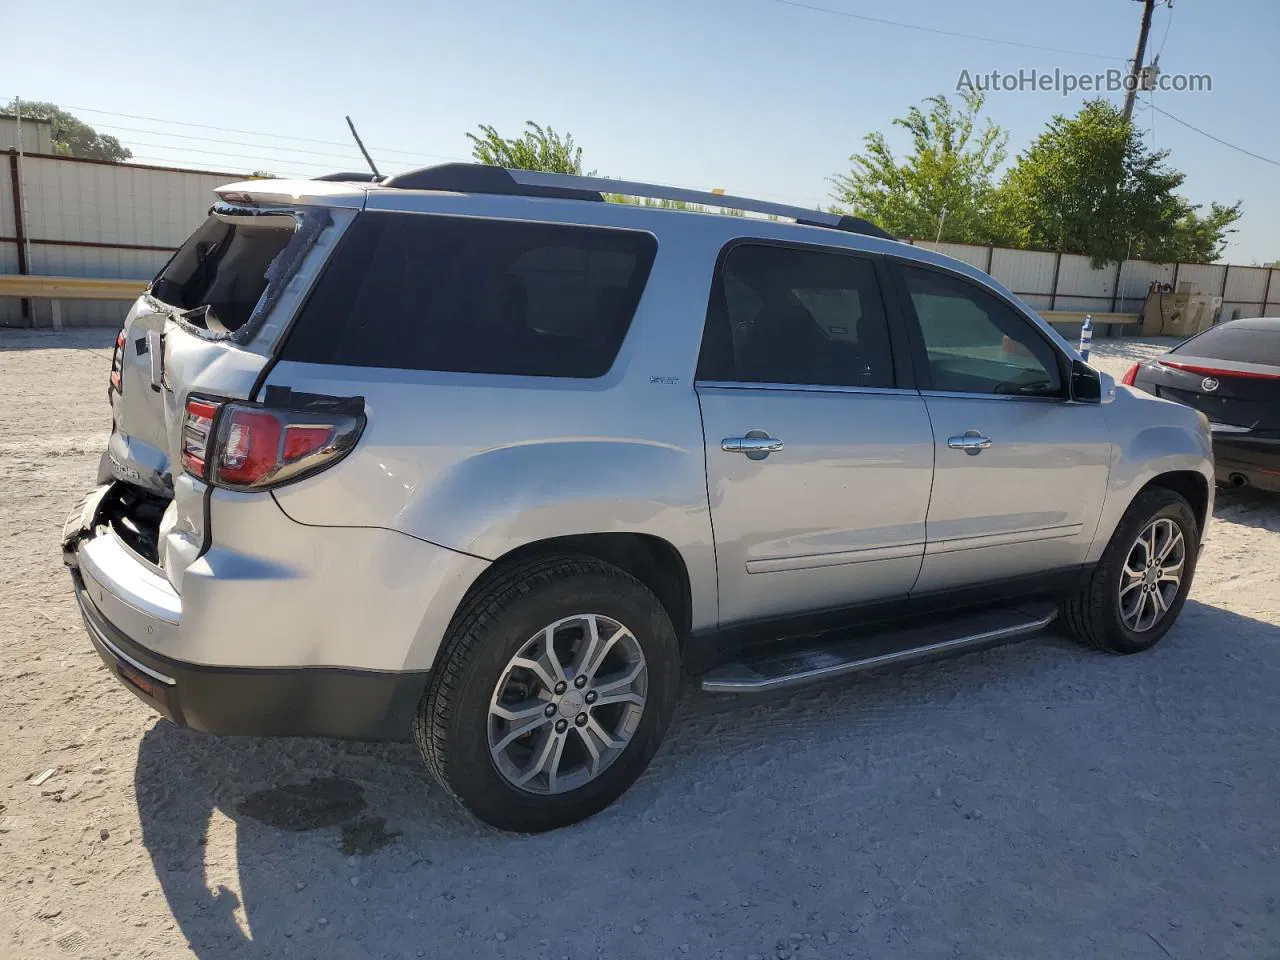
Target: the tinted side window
(792, 315)
(425, 292)
(977, 344)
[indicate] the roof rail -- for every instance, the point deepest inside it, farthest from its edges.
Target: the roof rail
(801, 215)
(480, 178)
(362, 177)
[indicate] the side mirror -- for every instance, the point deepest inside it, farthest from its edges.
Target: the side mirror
(1089, 385)
(1108, 384)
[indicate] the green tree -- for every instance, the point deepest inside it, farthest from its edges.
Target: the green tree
(72, 136)
(1089, 184)
(540, 148)
(1196, 237)
(951, 167)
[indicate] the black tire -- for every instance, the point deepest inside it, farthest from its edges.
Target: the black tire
(1093, 612)
(451, 728)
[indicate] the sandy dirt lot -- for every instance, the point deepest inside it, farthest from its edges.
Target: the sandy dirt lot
(1037, 800)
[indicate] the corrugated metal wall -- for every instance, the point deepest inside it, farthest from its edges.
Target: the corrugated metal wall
(1030, 274)
(37, 135)
(8, 226)
(89, 219)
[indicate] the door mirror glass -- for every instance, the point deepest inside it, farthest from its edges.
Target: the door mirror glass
(1086, 383)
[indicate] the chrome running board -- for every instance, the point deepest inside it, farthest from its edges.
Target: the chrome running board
(810, 660)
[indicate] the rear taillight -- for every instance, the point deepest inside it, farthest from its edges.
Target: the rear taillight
(197, 429)
(262, 446)
(1201, 370)
(1130, 375)
(117, 361)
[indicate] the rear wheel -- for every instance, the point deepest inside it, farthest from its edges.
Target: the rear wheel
(555, 685)
(1139, 586)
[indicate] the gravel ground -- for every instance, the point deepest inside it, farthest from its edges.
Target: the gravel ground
(1037, 800)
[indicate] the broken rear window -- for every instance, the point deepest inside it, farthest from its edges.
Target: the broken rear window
(218, 276)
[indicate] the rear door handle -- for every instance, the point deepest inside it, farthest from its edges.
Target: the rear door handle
(756, 445)
(972, 442)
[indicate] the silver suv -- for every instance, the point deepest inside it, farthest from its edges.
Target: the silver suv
(472, 457)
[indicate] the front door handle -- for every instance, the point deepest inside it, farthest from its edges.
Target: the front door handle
(972, 442)
(756, 445)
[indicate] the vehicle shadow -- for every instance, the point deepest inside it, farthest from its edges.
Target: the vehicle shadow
(1038, 799)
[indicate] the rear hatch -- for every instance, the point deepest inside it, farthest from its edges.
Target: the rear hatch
(206, 326)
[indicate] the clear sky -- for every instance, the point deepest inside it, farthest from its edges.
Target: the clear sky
(759, 97)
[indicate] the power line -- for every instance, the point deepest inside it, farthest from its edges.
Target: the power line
(414, 156)
(251, 133)
(284, 163)
(1205, 133)
(315, 159)
(940, 31)
(234, 154)
(1167, 24)
(307, 151)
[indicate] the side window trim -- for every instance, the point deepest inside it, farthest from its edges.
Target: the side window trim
(919, 351)
(900, 346)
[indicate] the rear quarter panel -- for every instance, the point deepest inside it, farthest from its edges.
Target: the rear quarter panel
(485, 464)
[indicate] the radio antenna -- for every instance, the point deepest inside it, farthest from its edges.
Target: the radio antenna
(360, 144)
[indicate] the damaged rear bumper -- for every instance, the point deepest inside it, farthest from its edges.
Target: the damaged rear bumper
(132, 614)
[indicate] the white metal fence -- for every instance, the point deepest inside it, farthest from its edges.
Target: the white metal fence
(89, 218)
(85, 218)
(1068, 281)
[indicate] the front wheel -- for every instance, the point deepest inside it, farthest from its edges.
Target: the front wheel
(1137, 590)
(554, 687)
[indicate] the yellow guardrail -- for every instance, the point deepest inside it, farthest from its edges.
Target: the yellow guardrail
(1077, 316)
(69, 288)
(57, 289)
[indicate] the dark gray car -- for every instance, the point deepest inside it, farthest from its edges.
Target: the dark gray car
(1231, 374)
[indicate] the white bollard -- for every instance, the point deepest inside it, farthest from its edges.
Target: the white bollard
(1086, 336)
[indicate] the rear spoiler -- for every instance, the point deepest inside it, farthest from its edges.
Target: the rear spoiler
(324, 193)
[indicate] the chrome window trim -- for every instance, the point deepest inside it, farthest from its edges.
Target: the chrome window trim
(805, 388)
(1005, 397)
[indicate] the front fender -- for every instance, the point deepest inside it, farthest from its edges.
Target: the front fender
(1150, 438)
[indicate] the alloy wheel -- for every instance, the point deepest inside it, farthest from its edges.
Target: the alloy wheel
(567, 704)
(1152, 575)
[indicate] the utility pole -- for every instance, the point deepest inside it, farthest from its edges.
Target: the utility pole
(1147, 7)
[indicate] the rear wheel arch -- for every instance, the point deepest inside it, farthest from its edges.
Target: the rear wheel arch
(653, 561)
